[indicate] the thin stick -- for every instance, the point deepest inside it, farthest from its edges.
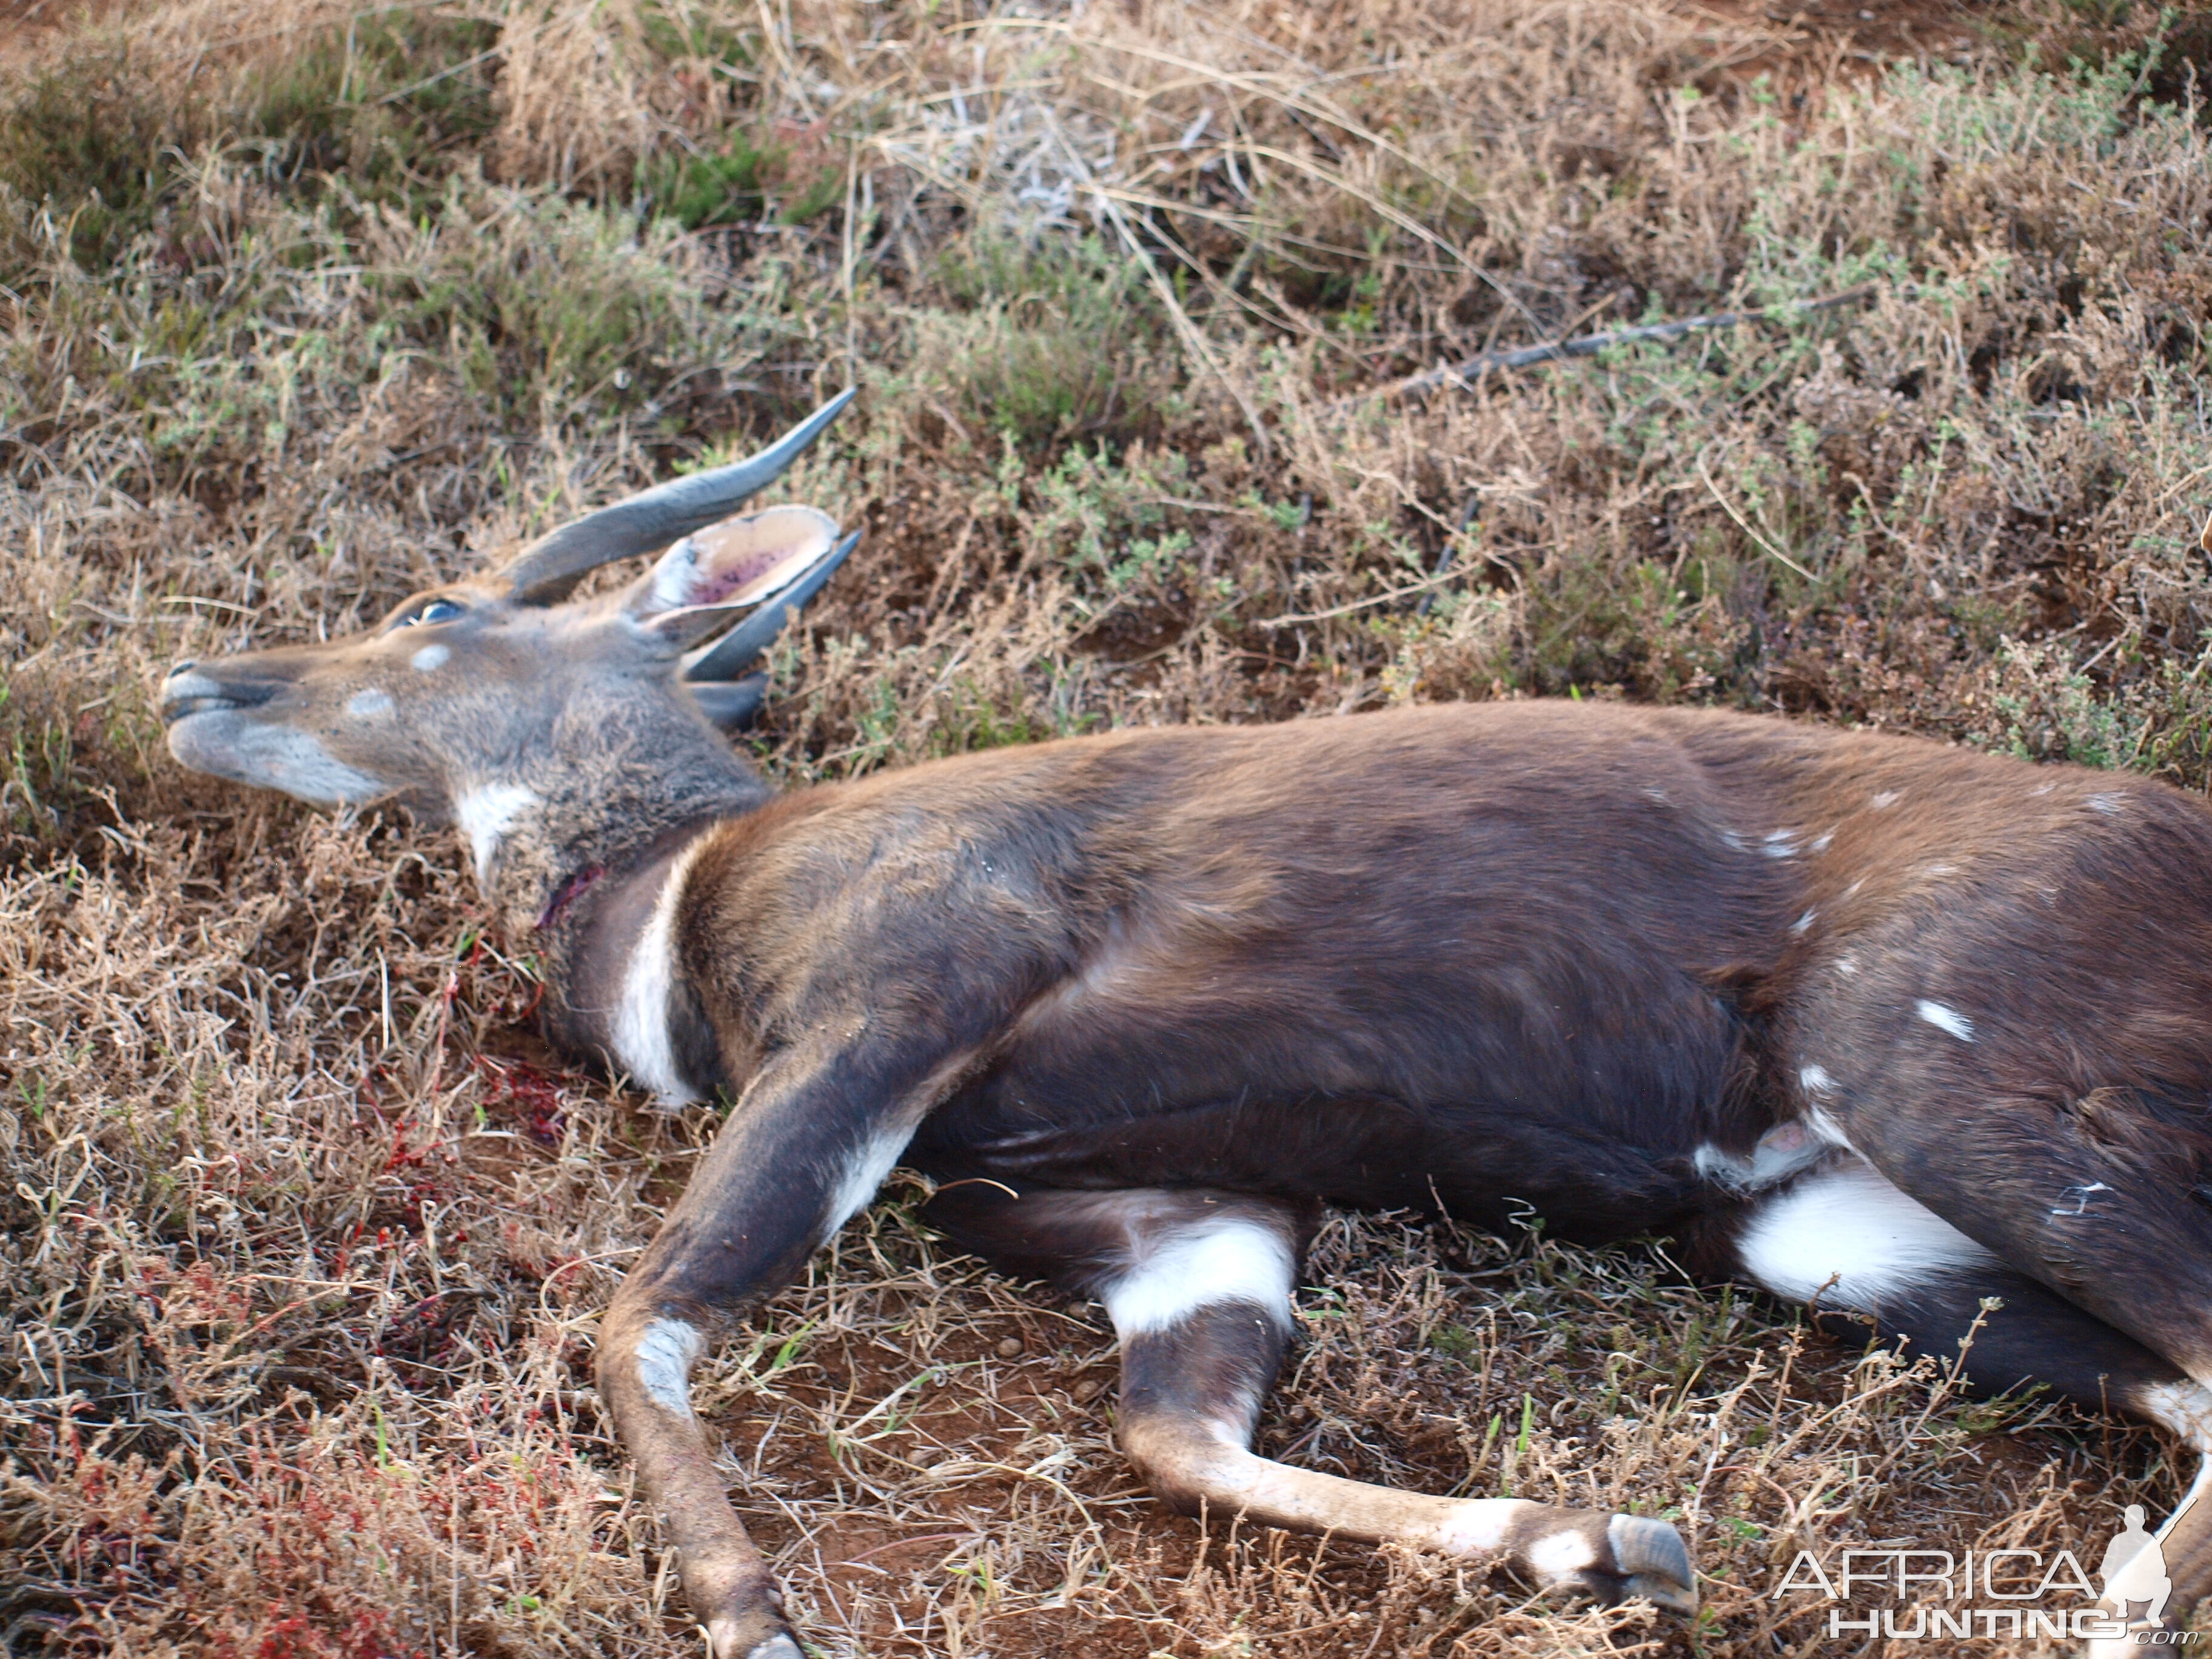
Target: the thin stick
(1464, 375)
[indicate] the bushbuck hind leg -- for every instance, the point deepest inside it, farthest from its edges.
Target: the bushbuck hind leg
(1198, 1283)
(1872, 1261)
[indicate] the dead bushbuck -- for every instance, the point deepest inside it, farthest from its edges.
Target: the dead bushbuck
(1890, 1027)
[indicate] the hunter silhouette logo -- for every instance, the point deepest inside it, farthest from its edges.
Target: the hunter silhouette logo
(2023, 1592)
(2134, 1572)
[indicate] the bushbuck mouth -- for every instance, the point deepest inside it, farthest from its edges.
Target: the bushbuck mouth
(184, 707)
(186, 694)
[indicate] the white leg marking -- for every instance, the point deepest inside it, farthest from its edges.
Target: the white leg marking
(485, 812)
(1847, 1237)
(665, 1354)
(1231, 1259)
(369, 703)
(1945, 1019)
(1561, 1553)
(640, 1038)
(1478, 1524)
(863, 1174)
(2185, 1407)
(430, 658)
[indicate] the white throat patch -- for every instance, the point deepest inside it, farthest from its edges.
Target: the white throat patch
(485, 814)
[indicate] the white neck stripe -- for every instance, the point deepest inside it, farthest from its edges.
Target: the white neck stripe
(640, 1038)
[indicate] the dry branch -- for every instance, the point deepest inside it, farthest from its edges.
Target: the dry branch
(1465, 375)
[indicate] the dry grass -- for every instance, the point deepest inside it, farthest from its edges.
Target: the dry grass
(305, 1236)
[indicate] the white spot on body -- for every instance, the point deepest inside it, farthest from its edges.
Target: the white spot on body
(640, 1037)
(1231, 1259)
(1732, 840)
(1659, 795)
(2079, 1198)
(1804, 921)
(1847, 1237)
(368, 704)
(1945, 1019)
(864, 1175)
(665, 1354)
(484, 813)
(1814, 1080)
(1780, 844)
(1822, 842)
(1847, 966)
(1818, 1121)
(430, 658)
(1884, 801)
(2109, 804)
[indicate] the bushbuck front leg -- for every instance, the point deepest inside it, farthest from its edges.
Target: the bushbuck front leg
(1198, 1283)
(804, 1149)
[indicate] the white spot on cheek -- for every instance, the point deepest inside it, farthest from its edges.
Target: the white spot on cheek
(367, 705)
(665, 1357)
(1946, 1019)
(430, 658)
(1231, 1259)
(485, 814)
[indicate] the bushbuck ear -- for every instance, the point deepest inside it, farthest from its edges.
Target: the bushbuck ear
(2204, 541)
(702, 582)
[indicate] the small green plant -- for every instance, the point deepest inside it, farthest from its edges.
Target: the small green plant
(2052, 711)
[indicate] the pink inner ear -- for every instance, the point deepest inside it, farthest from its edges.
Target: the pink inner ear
(743, 561)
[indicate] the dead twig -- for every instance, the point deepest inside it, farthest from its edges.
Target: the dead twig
(1465, 375)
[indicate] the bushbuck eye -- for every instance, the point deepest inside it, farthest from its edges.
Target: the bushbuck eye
(437, 611)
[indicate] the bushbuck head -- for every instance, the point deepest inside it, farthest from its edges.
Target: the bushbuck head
(499, 703)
